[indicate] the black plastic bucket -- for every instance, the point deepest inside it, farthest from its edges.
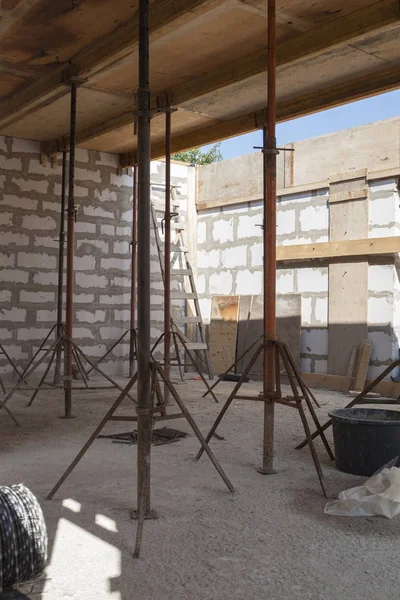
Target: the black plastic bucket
(365, 438)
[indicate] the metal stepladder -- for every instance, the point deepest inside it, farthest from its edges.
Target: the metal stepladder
(183, 286)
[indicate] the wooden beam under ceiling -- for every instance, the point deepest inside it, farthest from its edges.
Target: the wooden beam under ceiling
(380, 16)
(99, 54)
(316, 100)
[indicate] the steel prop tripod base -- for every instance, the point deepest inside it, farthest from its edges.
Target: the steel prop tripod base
(150, 515)
(300, 394)
(264, 471)
(79, 357)
(156, 371)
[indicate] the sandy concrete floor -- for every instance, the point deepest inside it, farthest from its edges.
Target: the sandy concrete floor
(269, 540)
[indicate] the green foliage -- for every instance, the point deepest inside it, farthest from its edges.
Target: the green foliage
(196, 156)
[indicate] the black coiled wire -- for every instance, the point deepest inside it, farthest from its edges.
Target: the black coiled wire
(23, 536)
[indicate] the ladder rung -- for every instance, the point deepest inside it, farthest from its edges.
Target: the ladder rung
(180, 226)
(183, 296)
(176, 248)
(161, 207)
(181, 272)
(155, 184)
(181, 320)
(196, 346)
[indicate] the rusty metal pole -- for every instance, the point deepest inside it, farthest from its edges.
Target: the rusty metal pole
(269, 230)
(132, 339)
(167, 255)
(68, 351)
(144, 401)
(59, 330)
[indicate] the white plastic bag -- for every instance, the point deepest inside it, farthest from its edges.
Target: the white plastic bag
(379, 495)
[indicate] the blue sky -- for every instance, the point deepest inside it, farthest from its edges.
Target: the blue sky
(328, 121)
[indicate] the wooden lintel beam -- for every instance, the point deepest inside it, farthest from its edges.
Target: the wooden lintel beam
(369, 85)
(215, 132)
(101, 53)
(339, 250)
(379, 16)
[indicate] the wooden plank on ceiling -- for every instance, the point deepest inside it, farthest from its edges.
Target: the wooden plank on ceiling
(380, 16)
(100, 53)
(368, 85)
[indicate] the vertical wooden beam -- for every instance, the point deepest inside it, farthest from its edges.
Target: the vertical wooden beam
(348, 282)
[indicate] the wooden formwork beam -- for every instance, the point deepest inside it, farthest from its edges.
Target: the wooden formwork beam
(348, 29)
(368, 85)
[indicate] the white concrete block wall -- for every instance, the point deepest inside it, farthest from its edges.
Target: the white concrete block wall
(231, 263)
(29, 222)
(230, 260)
(384, 207)
(383, 279)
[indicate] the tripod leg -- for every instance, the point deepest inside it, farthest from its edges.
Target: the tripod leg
(94, 435)
(6, 408)
(196, 430)
(80, 367)
(178, 359)
(312, 448)
(304, 389)
(156, 344)
(10, 360)
(319, 428)
(230, 399)
(159, 396)
(303, 417)
(43, 379)
(38, 351)
(96, 368)
(192, 360)
(220, 378)
(109, 351)
(27, 374)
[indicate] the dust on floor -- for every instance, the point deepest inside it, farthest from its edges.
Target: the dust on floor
(269, 540)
